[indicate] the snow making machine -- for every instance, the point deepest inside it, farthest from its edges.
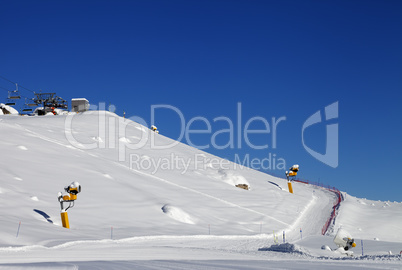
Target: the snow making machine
(290, 175)
(344, 240)
(154, 129)
(72, 190)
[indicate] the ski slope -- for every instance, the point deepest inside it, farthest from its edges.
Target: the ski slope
(141, 205)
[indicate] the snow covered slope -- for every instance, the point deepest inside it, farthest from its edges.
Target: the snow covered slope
(371, 220)
(140, 199)
(135, 195)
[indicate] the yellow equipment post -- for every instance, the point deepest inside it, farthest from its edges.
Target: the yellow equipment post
(290, 187)
(64, 219)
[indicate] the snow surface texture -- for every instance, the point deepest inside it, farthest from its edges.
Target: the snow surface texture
(161, 208)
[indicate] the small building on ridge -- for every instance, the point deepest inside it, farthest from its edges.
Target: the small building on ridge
(79, 105)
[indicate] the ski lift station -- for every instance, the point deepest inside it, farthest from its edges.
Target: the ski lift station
(40, 104)
(79, 105)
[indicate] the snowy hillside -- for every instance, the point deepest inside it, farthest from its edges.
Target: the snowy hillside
(143, 203)
(371, 220)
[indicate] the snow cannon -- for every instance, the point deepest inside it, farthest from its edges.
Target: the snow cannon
(293, 170)
(291, 173)
(72, 190)
(154, 129)
(344, 240)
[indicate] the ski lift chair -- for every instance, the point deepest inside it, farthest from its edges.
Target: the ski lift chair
(28, 106)
(14, 94)
(10, 103)
(33, 104)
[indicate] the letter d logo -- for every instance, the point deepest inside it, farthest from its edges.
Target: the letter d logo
(331, 150)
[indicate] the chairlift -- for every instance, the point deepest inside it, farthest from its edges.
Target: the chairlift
(27, 104)
(14, 94)
(11, 98)
(10, 103)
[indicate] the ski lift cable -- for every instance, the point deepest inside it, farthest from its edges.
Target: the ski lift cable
(16, 83)
(7, 90)
(7, 79)
(26, 89)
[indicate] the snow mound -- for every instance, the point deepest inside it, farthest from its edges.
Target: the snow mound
(325, 247)
(124, 140)
(5, 109)
(21, 147)
(232, 178)
(361, 202)
(177, 214)
(108, 176)
(97, 139)
(284, 248)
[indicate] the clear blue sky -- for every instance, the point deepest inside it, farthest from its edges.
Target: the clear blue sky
(277, 58)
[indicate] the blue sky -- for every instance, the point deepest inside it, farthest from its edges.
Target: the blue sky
(277, 58)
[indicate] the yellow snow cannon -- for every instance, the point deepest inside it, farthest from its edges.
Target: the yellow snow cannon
(291, 173)
(344, 240)
(72, 190)
(154, 129)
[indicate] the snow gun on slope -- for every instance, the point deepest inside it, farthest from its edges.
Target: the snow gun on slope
(344, 241)
(154, 129)
(290, 175)
(72, 190)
